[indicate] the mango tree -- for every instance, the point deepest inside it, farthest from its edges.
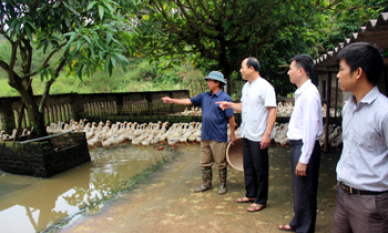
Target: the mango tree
(85, 33)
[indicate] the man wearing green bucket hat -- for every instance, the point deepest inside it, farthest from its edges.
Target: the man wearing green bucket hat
(214, 129)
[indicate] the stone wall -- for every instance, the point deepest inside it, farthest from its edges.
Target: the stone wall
(45, 158)
(64, 107)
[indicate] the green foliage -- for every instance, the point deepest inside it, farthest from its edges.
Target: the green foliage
(89, 32)
(218, 35)
(140, 75)
(84, 34)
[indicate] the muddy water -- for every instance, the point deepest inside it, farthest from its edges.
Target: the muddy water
(30, 204)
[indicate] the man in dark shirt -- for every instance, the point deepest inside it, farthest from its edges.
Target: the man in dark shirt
(214, 129)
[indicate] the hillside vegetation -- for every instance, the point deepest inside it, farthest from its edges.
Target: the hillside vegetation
(140, 76)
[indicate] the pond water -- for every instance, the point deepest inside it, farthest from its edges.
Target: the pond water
(29, 204)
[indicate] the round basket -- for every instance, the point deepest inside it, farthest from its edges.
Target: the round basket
(234, 155)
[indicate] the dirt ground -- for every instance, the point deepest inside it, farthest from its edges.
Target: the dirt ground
(165, 201)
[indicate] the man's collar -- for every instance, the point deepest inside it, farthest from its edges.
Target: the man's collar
(303, 87)
(217, 94)
(371, 96)
(256, 80)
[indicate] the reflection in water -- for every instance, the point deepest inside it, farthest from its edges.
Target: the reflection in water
(29, 204)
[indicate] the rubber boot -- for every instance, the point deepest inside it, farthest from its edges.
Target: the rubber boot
(207, 177)
(222, 189)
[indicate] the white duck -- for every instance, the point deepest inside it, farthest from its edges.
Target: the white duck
(197, 133)
(147, 140)
(334, 134)
(337, 140)
(281, 134)
(173, 137)
(96, 139)
(189, 131)
(3, 135)
(137, 140)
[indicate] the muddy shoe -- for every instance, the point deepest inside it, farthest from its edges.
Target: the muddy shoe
(222, 189)
(202, 188)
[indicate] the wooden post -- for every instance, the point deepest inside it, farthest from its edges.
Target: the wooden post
(148, 98)
(76, 107)
(119, 104)
(336, 97)
(328, 95)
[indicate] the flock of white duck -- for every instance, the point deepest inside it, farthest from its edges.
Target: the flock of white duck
(334, 138)
(108, 134)
(286, 109)
(283, 110)
(5, 136)
(194, 111)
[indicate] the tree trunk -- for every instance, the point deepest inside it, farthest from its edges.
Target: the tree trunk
(227, 72)
(37, 120)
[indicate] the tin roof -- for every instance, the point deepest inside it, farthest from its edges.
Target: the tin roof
(375, 32)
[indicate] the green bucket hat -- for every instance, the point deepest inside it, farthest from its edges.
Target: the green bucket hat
(217, 76)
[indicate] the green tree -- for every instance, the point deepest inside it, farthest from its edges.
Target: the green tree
(85, 33)
(224, 32)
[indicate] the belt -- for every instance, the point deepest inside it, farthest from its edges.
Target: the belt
(295, 142)
(350, 190)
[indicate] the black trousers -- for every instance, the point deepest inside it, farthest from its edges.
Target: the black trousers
(305, 189)
(255, 171)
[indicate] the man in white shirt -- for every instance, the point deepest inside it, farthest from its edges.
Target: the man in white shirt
(304, 130)
(258, 107)
(362, 171)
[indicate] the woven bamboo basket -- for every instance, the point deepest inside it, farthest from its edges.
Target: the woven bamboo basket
(234, 155)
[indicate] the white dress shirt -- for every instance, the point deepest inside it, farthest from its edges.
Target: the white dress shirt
(306, 119)
(256, 97)
(364, 160)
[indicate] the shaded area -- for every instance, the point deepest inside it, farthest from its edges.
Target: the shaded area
(165, 202)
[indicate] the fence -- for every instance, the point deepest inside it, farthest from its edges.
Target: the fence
(64, 107)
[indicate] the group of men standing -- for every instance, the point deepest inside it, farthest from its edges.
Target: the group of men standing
(362, 171)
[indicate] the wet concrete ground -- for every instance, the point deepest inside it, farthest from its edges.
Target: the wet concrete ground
(165, 201)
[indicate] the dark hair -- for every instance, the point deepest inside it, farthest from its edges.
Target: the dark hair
(366, 56)
(304, 61)
(253, 62)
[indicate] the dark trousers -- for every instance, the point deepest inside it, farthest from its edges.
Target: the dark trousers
(305, 189)
(255, 171)
(356, 213)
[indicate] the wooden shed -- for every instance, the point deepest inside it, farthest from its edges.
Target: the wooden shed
(326, 66)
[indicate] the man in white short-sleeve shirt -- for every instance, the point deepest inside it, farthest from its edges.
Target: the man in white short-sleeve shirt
(258, 108)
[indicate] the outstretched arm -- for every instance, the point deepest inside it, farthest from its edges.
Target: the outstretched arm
(225, 105)
(168, 100)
